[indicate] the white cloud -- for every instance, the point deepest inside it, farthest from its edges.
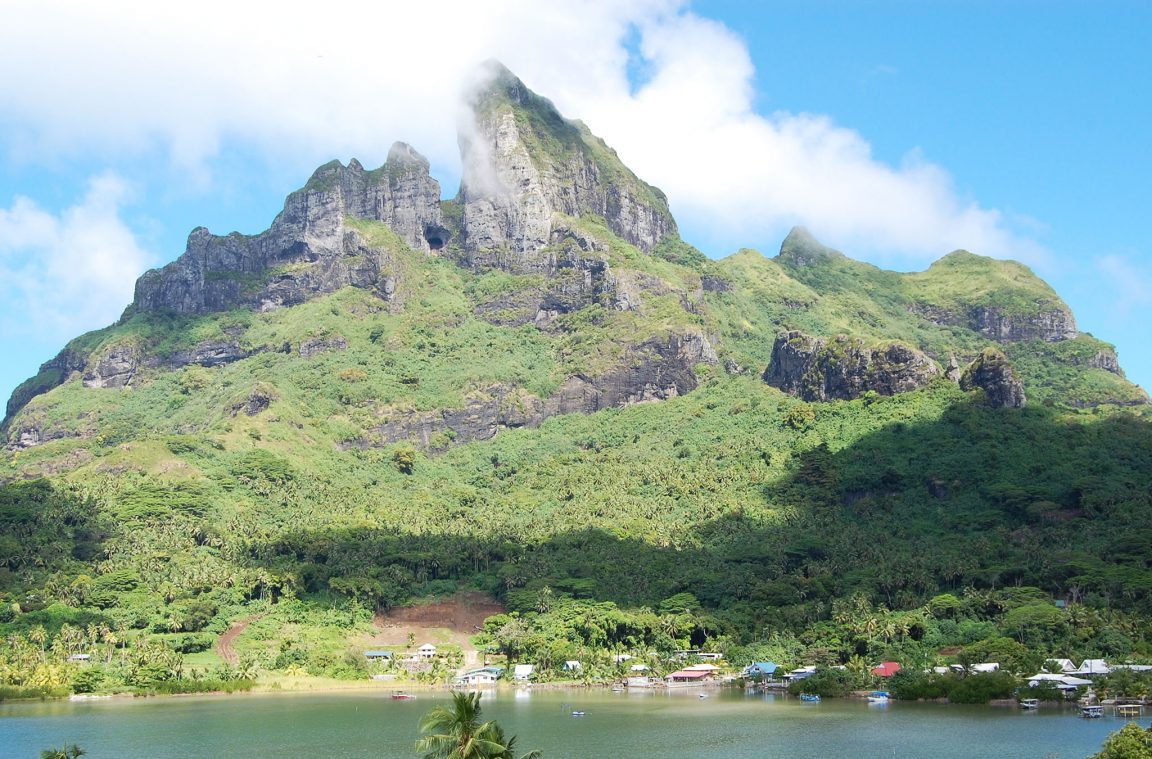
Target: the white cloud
(1129, 283)
(68, 272)
(303, 82)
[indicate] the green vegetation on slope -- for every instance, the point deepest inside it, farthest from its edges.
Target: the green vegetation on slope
(734, 517)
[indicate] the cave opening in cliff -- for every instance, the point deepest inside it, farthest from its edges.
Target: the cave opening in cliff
(436, 237)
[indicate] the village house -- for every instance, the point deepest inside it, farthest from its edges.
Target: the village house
(685, 677)
(379, 656)
(764, 670)
(480, 676)
(886, 669)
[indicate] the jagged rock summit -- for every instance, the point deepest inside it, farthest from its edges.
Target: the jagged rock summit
(309, 249)
(551, 246)
(528, 171)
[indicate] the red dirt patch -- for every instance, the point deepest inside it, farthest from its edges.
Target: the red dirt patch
(445, 620)
(462, 614)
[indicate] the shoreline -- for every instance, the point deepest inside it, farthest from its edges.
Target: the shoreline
(320, 686)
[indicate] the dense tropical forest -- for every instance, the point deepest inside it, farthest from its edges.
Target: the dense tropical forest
(356, 449)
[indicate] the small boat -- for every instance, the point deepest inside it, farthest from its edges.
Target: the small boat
(878, 697)
(809, 697)
(1092, 712)
(1029, 703)
(577, 714)
(401, 696)
(703, 695)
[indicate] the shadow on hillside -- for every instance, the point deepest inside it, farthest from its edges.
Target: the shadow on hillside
(979, 497)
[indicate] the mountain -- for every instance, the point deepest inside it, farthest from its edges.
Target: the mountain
(538, 389)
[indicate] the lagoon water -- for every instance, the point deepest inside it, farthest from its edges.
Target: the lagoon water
(672, 725)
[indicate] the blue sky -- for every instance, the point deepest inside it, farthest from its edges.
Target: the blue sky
(896, 131)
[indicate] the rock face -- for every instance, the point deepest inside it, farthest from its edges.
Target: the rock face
(53, 373)
(115, 369)
(309, 249)
(524, 163)
(1106, 360)
(317, 345)
(992, 373)
(1050, 322)
(655, 370)
(845, 368)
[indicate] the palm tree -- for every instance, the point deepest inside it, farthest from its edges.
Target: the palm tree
(67, 752)
(456, 732)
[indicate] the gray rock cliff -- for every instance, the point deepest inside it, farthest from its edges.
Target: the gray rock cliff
(844, 368)
(309, 249)
(1048, 321)
(655, 370)
(992, 373)
(524, 164)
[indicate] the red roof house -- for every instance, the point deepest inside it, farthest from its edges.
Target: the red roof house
(886, 669)
(688, 676)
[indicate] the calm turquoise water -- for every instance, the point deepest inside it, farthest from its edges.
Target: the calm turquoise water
(674, 725)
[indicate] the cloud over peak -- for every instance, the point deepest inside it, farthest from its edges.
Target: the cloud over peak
(295, 85)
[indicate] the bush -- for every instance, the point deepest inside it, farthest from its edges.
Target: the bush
(826, 683)
(908, 685)
(959, 689)
(982, 688)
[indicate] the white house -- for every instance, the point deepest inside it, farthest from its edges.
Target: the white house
(801, 673)
(426, 651)
(1063, 682)
(1059, 665)
(481, 676)
(523, 671)
(1092, 667)
(477, 678)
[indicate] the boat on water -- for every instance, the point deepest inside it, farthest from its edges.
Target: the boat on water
(809, 697)
(879, 697)
(402, 696)
(1029, 703)
(577, 714)
(1092, 712)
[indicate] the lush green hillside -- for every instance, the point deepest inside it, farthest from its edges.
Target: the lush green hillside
(581, 431)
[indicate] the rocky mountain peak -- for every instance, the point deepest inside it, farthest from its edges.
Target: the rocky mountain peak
(308, 249)
(800, 249)
(526, 167)
(1002, 300)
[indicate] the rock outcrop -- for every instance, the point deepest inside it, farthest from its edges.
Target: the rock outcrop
(1106, 360)
(655, 370)
(844, 368)
(52, 374)
(1002, 300)
(1048, 321)
(992, 373)
(524, 164)
(115, 368)
(309, 249)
